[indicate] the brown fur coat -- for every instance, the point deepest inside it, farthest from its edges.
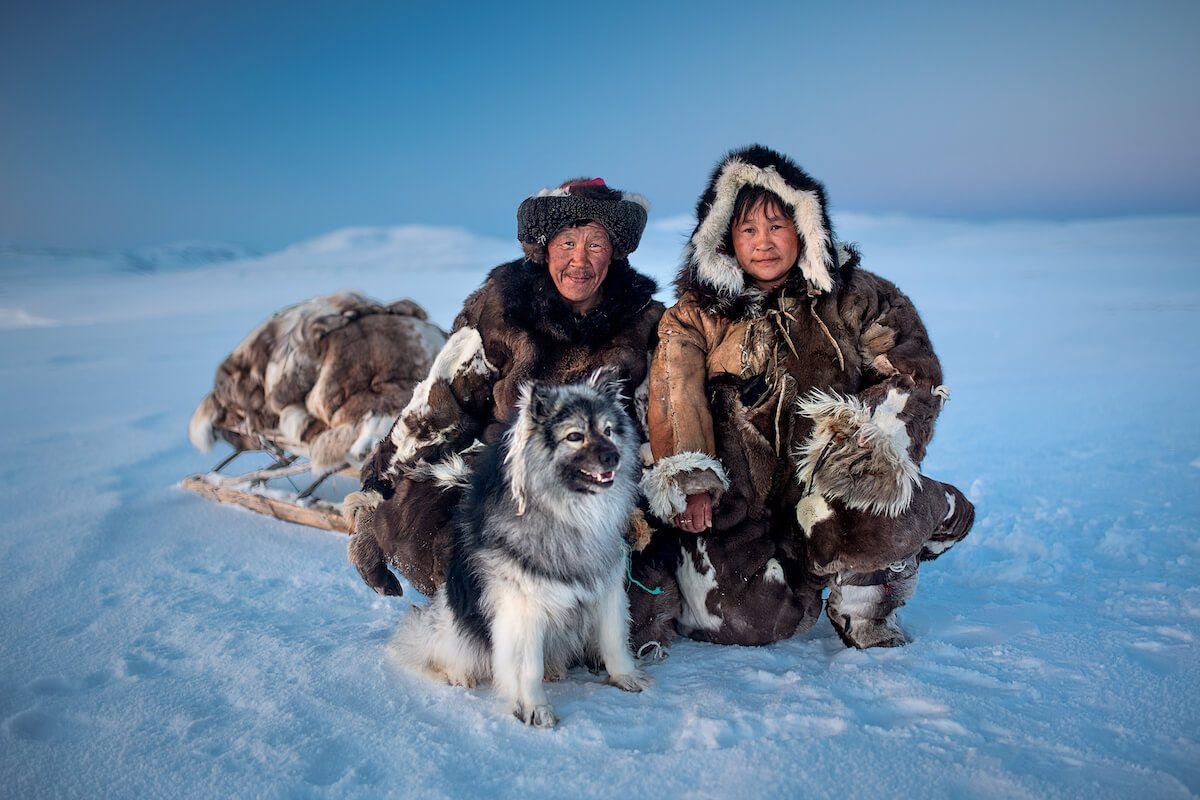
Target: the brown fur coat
(849, 360)
(515, 328)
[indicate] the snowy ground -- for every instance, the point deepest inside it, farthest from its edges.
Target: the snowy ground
(153, 644)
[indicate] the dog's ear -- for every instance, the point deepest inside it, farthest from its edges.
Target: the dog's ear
(608, 381)
(535, 405)
(540, 402)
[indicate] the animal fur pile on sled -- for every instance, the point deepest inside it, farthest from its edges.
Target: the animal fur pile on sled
(322, 379)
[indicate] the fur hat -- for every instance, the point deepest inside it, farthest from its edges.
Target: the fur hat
(704, 258)
(623, 214)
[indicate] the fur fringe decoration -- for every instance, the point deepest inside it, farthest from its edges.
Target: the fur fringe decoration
(451, 472)
(673, 478)
(858, 454)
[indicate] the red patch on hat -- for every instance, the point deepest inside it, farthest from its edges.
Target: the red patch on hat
(592, 182)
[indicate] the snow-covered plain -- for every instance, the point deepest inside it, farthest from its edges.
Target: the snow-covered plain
(153, 644)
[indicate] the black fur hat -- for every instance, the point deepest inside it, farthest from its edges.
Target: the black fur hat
(623, 214)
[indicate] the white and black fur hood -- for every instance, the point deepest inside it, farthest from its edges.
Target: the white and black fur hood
(708, 269)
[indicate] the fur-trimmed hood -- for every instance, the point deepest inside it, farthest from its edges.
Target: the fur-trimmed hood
(532, 302)
(712, 273)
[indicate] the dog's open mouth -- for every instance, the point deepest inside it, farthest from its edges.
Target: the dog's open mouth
(599, 478)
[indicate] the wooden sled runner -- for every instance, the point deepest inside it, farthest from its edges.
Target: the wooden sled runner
(253, 489)
(304, 397)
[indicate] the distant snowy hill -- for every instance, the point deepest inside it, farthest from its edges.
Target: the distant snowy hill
(69, 287)
(15, 259)
(153, 644)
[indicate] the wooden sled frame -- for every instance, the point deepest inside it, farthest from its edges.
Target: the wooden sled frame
(249, 489)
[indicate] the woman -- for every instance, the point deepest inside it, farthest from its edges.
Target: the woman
(773, 317)
(571, 305)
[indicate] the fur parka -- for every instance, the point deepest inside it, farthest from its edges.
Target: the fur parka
(826, 386)
(515, 328)
(842, 346)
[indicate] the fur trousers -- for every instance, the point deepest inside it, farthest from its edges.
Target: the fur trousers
(411, 531)
(762, 580)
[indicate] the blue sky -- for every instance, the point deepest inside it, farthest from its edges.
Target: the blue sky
(125, 124)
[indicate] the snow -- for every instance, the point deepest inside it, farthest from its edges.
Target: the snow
(158, 645)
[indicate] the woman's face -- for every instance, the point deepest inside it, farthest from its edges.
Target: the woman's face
(766, 244)
(578, 260)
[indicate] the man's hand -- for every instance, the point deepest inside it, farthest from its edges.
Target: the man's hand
(697, 516)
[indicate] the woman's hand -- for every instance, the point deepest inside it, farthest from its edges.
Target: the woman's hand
(697, 516)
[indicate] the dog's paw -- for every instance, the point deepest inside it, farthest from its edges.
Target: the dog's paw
(463, 679)
(554, 674)
(631, 681)
(541, 716)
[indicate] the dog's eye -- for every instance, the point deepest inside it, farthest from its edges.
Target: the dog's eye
(574, 436)
(608, 431)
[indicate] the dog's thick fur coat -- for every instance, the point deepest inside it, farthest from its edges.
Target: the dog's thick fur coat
(536, 575)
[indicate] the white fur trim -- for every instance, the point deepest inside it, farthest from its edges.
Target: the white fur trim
(694, 588)
(661, 484)
(463, 353)
(845, 427)
(720, 270)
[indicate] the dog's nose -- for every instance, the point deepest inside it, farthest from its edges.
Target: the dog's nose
(610, 459)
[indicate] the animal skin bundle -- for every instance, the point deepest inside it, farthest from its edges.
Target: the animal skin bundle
(324, 378)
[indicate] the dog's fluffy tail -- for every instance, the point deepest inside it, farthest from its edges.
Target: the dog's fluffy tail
(430, 640)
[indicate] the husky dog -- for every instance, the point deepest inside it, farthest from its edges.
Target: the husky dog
(536, 575)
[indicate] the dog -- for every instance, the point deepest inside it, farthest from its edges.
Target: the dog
(535, 582)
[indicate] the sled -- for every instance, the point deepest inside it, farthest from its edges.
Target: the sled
(304, 397)
(285, 488)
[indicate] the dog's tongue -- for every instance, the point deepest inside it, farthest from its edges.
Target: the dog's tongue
(605, 477)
